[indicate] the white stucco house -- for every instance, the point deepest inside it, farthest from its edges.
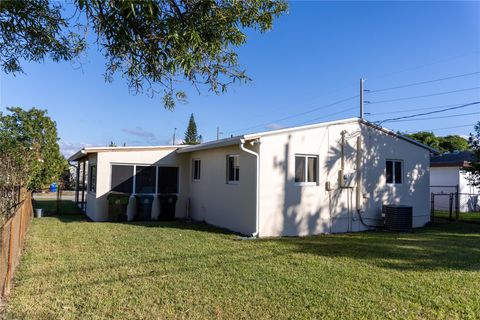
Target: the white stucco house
(313, 179)
(447, 177)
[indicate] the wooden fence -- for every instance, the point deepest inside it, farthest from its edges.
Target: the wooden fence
(12, 240)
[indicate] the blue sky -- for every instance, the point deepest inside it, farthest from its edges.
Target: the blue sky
(313, 57)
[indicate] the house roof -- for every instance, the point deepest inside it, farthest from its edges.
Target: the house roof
(237, 139)
(92, 150)
(452, 159)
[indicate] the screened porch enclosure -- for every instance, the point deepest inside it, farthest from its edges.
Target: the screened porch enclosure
(143, 179)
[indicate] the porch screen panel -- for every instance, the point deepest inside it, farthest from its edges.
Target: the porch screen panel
(145, 179)
(167, 180)
(122, 178)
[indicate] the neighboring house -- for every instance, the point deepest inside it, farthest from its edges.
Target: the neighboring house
(291, 182)
(447, 176)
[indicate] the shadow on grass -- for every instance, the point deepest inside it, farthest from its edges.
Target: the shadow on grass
(70, 212)
(49, 206)
(440, 246)
(181, 225)
(448, 246)
(469, 217)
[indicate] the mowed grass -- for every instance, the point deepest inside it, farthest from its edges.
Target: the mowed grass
(50, 207)
(75, 269)
(463, 216)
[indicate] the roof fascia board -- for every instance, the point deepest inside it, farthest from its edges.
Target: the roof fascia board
(390, 132)
(211, 145)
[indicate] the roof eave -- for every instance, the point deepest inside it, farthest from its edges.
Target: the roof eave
(78, 155)
(212, 145)
(388, 131)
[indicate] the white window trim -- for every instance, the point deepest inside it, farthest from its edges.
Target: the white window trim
(307, 183)
(193, 170)
(393, 172)
(233, 182)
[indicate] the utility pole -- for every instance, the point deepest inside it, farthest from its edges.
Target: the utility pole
(218, 133)
(174, 132)
(361, 97)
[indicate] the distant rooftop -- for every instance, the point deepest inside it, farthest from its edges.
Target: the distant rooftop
(452, 159)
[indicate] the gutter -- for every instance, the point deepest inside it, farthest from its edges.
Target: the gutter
(211, 144)
(257, 186)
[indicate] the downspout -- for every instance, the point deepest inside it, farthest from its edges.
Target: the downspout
(257, 186)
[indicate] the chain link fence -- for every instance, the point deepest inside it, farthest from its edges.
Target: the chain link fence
(455, 206)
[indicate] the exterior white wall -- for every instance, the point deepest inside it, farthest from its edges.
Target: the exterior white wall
(213, 200)
(90, 197)
(469, 198)
(98, 210)
(443, 181)
(414, 191)
(290, 209)
(287, 208)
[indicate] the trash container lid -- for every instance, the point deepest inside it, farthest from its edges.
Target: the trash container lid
(144, 195)
(397, 206)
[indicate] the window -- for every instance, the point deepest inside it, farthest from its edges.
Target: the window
(394, 171)
(92, 179)
(145, 179)
(122, 178)
(306, 168)
(196, 169)
(167, 180)
(233, 168)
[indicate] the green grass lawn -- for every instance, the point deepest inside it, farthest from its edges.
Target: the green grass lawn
(50, 207)
(463, 216)
(75, 269)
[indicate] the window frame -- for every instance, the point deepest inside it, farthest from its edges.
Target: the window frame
(196, 178)
(394, 180)
(134, 178)
(306, 158)
(236, 175)
(92, 184)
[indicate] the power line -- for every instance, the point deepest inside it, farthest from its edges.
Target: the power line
(444, 128)
(440, 117)
(431, 112)
(423, 82)
(476, 52)
(415, 109)
(296, 115)
(425, 95)
(325, 116)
